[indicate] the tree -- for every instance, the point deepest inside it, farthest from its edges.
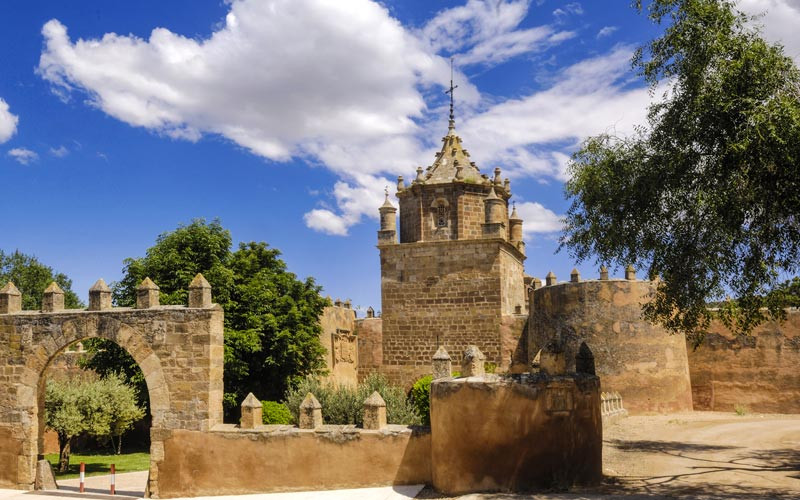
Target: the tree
(707, 195)
(31, 277)
(271, 318)
(103, 407)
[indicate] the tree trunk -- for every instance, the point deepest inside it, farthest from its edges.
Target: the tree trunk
(119, 444)
(63, 453)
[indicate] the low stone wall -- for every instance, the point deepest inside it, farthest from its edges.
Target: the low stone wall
(517, 433)
(230, 461)
(758, 373)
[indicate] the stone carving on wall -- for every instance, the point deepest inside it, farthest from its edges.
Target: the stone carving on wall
(345, 348)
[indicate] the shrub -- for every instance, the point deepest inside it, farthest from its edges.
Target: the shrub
(740, 410)
(273, 412)
(421, 397)
(345, 405)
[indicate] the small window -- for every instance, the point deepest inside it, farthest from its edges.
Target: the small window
(441, 215)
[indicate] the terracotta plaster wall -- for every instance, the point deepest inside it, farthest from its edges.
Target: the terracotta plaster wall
(759, 372)
(638, 359)
(229, 461)
(528, 433)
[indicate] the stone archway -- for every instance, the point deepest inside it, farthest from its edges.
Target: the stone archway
(179, 349)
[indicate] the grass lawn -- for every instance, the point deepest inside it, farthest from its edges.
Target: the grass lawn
(97, 465)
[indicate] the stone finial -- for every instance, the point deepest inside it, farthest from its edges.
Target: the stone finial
(99, 296)
(575, 276)
(310, 413)
(400, 184)
(420, 178)
(251, 413)
(550, 279)
(53, 298)
(603, 273)
(507, 185)
(370, 312)
(630, 272)
(348, 304)
(552, 360)
(337, 302)
(374, 412)
(147, 294)
(442, 364)
(199, 292)
(472, 362)
(459, 172)
(536, 283)
(10, 299)
(584, 360)
(497, 180)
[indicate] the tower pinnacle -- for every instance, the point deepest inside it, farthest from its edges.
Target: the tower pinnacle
(452, 124)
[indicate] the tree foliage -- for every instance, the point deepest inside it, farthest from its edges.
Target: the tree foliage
(271, 318)
(103, 407)
(31, 277)
(707, 195)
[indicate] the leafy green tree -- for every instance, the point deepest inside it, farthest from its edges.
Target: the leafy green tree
(31, 277)
(103, 407)
(271, 317)
(707, 195)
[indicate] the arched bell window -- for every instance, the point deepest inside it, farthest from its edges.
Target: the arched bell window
(441, 213)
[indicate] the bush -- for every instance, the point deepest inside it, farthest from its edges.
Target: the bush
(421, 397)
(345, 405)
(273, 412)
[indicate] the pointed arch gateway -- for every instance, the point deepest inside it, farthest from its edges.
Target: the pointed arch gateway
(179, 349)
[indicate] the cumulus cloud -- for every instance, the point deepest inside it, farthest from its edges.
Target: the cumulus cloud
(538, 219)
(23, 156)
(8, 122)
(779, 20)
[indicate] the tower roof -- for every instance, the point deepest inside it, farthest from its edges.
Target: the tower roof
(452, 156)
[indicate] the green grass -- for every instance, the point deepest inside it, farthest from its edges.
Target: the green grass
(97, 465)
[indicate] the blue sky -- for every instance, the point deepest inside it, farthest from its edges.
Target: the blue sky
(286, 118)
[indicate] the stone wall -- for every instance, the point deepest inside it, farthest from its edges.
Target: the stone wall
(369, 332)
(759, 373)
(450, 293)
(642, 361)
(338, 337)
(232, 461)
(526, 433)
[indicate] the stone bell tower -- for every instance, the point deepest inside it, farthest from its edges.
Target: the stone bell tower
(455, 277)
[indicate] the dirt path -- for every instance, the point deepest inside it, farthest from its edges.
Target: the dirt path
(693, 455)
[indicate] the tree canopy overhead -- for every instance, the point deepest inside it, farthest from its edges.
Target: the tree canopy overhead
(271, 318)
(31, 277)
(706, 195)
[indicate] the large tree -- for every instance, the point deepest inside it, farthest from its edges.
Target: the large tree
(271, 318)
(31, 277)
(707, 195)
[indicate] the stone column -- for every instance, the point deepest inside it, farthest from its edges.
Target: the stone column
(374, 412)
(472, 363)
(147, 294)
(630, 273)
(99, 296)
(442, 364)
(310, 413)
(199, 292)
(251, 413)
(53, 298)
(10, 299)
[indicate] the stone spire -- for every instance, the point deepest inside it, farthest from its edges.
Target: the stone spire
(10, 299)
(387, 235)
(53, 298)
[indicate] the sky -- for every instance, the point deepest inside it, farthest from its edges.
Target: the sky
(286, 119)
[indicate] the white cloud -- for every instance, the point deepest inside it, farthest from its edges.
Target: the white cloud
(533, 135)
(574, 8)
(780, 21)
(538, 219)
(485, 32)
(8, 122)
(606, 31)
(23, 156)
(59, 152)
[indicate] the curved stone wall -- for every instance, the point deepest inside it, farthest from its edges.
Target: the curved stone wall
(642, 361)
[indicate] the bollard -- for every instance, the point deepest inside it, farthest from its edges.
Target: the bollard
(113, 473)
(83, 477)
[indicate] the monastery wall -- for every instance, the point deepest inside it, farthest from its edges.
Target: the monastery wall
(757, 373)
(642, 361)
(338, 337)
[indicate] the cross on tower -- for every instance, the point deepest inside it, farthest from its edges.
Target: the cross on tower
(450, 91)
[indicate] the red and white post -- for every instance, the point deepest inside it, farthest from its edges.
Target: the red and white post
(113, 474)
(83, 478)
